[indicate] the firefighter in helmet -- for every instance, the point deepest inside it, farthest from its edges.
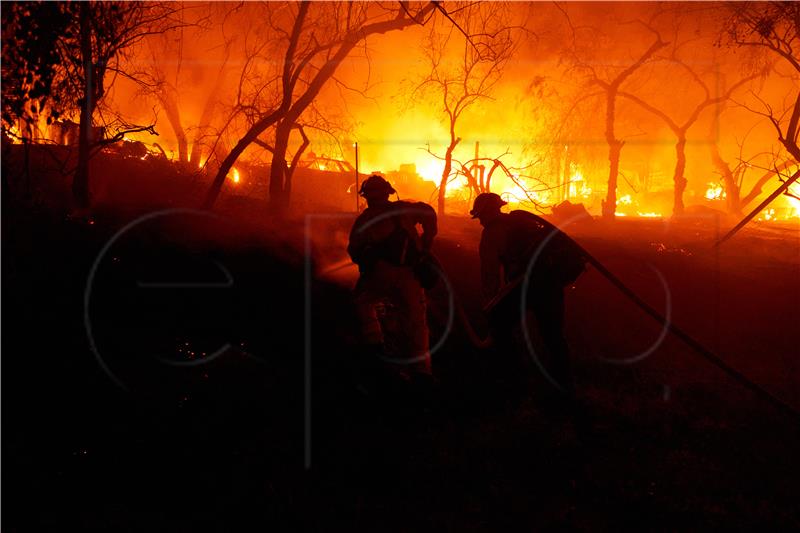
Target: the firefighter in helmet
(519, 252)
(386, 246)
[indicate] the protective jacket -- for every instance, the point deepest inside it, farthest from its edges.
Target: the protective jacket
(508, 246)
(385, 245)
(388, 232)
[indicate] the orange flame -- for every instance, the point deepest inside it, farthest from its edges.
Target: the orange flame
(714, 191)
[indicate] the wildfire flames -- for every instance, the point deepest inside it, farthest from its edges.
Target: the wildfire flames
(714, 191)
(791, 211)
(515, 188)
(795, 203)
(549, 149)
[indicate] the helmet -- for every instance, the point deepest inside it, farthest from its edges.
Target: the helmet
(484, 202)
(375, 185)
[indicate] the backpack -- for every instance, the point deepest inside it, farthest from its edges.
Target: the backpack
(561, 260)
(400, 249)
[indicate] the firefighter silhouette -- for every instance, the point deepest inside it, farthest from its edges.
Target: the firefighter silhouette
(387, 248)
(525, 265)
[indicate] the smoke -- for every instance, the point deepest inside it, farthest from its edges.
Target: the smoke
(545, 109)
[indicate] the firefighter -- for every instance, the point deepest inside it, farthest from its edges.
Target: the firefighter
(518, 250)
(387, 248)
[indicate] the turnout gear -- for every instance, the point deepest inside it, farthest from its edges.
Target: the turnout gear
(520, 244)
(388, 233)
(392, 297)
(509, 243)
(385, 245)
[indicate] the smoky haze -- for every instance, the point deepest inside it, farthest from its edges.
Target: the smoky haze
(544, 116)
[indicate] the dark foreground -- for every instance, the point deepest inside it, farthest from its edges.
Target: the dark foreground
(144, 425)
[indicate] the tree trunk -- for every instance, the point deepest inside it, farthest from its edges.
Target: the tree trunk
(495, 166)
(205, 122)
(28, 195)
(278, 197)
(474, 177)
(251, 135)
(789, 141)
(614, 151)
(448, 166)
(289, 110)
(174, 118)
(678, 179)
(80, 183)
(732, 203)
(443, 185)
(295, 161)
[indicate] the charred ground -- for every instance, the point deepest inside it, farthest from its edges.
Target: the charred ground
(670, 442)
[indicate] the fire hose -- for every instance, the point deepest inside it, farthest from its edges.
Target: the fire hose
(687, 339)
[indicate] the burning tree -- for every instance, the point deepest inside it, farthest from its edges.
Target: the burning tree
(609, 79)
(681, 128)
(169, 73)
(312, 40)
(772, 28)
(485, 45)
(164, 85)
(62, 58)
(734, 176)
(31, 33)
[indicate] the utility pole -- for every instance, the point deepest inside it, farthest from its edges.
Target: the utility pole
(476, 168)
(355, 145)
(565, 182)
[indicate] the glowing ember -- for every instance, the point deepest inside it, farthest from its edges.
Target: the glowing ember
(235, 176)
